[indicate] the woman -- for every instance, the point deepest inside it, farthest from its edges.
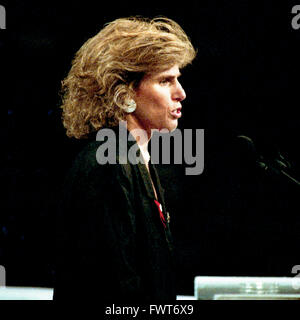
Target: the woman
(115, 239)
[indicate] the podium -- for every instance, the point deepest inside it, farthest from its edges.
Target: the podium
(246, 288)
(25, 293)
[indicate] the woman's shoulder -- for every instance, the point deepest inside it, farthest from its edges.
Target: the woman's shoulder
(88, 162)
(85, 160)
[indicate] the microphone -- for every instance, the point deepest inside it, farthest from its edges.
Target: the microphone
(272, 167)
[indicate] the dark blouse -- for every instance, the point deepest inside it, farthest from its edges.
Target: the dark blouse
(113, 245)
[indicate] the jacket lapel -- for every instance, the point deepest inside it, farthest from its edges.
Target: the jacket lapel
(159, 189)
(146, 175)
(146, 179)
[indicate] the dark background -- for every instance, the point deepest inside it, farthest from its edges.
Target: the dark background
(231, 220)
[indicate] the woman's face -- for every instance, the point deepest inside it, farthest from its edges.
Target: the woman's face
(158, 99)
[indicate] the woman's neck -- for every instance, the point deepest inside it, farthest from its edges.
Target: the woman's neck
(141, 136)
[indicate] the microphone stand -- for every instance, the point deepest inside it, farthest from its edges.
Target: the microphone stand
(280, 171)
(282, 163)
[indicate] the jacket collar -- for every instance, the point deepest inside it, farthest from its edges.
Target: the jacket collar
(130, 142)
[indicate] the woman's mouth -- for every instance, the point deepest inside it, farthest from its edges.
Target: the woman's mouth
(176, 113)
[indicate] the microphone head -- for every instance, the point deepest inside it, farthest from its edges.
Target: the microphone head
(265, 156)
(246, 150)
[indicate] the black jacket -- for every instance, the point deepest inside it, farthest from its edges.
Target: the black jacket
(112, 243)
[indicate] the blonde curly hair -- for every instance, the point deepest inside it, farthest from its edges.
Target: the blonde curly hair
(109, 66)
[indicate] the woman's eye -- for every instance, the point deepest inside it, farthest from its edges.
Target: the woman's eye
(164, 81)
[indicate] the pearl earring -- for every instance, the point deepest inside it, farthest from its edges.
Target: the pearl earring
(130, 106)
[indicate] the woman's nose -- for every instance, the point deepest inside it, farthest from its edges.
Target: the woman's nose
(179, 93)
